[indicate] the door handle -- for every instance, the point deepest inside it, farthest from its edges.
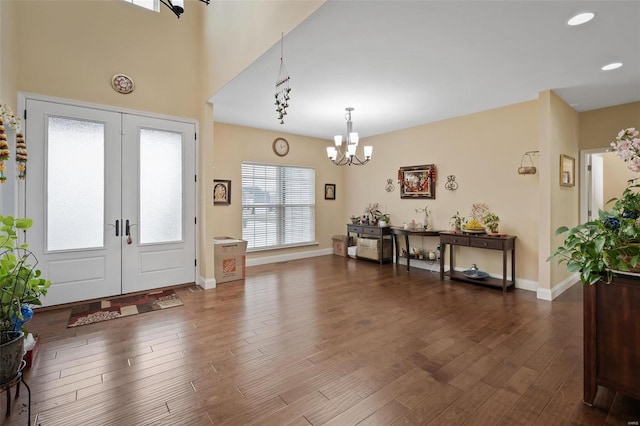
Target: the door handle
(117, 227)
(127, 228)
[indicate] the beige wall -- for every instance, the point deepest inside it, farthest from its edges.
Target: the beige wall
(8, 52)
(483, 151)
(615, 177)
(559, 134)
(599, 127)
(235, 144)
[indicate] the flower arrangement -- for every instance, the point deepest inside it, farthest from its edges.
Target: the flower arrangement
(457, 221)
(610, 243)
(627, 146)
(426, 212)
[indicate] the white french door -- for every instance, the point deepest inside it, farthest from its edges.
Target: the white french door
(112, 197)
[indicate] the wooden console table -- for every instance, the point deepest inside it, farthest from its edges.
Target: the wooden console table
(406, 232)
(373, 232)
(505, 243)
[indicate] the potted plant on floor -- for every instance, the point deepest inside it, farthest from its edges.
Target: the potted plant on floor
(21, 286)
(606, 254)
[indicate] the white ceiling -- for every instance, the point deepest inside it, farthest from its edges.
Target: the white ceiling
(406, 63)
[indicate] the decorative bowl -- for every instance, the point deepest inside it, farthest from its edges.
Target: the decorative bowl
(475, 274)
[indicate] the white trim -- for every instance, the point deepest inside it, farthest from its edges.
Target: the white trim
(286, 257)
(550, 294)
(206, 284)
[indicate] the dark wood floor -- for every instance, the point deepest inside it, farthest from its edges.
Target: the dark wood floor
(327, 340)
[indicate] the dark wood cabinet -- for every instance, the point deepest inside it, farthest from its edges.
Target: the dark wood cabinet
(612, 337)
(504, 243)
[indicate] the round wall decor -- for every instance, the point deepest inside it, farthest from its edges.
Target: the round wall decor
(122, 84)
(280, 146)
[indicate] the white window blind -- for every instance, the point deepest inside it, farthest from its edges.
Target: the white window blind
(278, 205)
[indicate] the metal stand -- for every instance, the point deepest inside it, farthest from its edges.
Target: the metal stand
(17, 380)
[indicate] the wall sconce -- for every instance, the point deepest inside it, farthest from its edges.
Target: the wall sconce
(528, 170)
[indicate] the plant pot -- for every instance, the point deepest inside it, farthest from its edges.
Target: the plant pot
(11, 355)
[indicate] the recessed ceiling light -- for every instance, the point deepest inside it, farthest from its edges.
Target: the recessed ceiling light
(612, 66)
(581, 18)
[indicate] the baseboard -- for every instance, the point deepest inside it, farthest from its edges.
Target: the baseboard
(550, 294)
(207, 283)
(287, 257)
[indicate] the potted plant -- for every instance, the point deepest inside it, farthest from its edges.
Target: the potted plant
(491, 221)
(383, 219)
(604, 251)
(20, 286)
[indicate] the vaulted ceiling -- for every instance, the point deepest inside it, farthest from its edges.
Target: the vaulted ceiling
(406, 63)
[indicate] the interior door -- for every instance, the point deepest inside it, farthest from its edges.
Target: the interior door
(158, 203)
(112, 197)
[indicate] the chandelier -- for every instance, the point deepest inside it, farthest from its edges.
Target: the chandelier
(346, 156)
(177, 6)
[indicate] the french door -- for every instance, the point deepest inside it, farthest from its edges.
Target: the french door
(112, 197)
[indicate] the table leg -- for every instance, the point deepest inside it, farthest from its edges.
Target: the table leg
(395, 244)
(442, 254)
(406, 243)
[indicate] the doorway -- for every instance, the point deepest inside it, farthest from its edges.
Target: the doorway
(112, 198)
(604, 176)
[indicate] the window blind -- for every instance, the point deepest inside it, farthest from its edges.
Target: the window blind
(278, 205)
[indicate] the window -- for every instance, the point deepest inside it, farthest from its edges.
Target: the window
(278, 205)
(147, 4)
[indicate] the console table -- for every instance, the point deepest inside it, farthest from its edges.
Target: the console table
(373, 232)
(481, 241)
(406, 232)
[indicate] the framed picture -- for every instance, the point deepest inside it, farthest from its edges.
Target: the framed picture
(329, 191)
(221, 192)
(417, 181)
(567, 170)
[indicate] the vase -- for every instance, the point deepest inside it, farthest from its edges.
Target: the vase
(382, 223)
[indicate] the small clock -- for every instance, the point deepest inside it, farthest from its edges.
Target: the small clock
(280, 146)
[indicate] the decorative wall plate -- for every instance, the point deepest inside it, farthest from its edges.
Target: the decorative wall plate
(122, 84)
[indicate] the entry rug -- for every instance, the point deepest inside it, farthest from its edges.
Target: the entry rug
(122, 306)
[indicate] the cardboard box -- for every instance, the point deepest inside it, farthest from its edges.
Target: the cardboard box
(230, 261)
(229, 268)
(340, 244)
(369, 248)
(229, 246)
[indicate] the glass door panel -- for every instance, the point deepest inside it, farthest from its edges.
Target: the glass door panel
(160, 186)
(75, 184)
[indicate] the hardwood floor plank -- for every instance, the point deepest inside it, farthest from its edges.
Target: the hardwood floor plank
(325, 340)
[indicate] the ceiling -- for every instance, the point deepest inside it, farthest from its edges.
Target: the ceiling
(406, 63)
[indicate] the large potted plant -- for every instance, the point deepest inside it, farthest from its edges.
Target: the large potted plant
(606, 254)
(21, 287)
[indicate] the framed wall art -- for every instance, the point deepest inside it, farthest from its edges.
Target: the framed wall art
(221, 192)
(329, 191)
(417, 181)
(567, 170)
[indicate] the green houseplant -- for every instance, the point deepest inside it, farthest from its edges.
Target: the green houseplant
(21, 286)
(610, 243)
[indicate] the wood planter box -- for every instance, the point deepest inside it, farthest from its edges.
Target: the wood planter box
(612, 337)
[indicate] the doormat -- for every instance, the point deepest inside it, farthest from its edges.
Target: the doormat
(122, 306)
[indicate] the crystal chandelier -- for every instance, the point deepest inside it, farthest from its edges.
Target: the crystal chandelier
(346, 156)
